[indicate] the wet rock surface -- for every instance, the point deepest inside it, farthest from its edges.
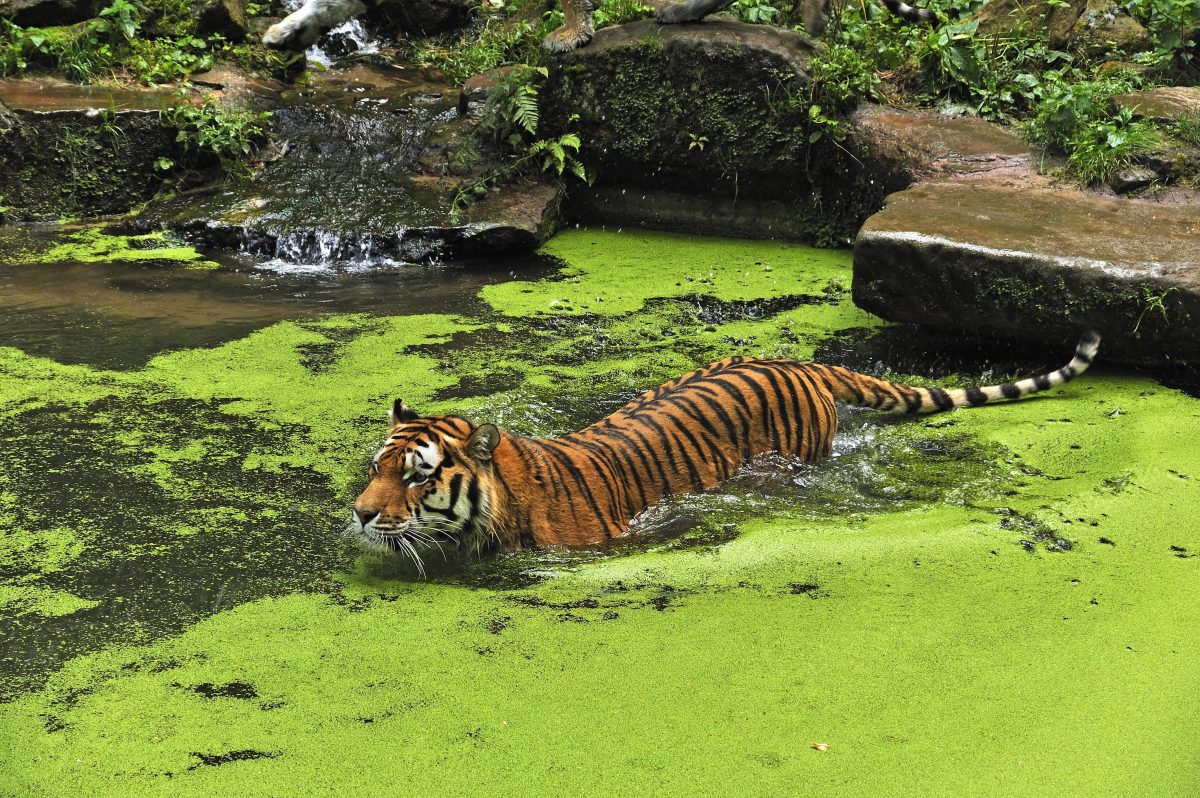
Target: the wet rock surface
(1039, 264)
(360, 173)
(718, 112)
(1164, 102)
(906, 146)
(79, 150)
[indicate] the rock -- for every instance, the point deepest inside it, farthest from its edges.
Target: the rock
(1105, 28)
(1037, 264)
(475, 89)
(1171, 162)
(80, 150)
(1131, 178)
(226, 17)
(717, 110)
(421, 17)
(519, 218)
(43, 13)
(360, 173)
(911, 145)
(1164, 103)
(1004, 17)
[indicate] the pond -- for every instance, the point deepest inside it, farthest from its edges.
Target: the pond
(1007, 591)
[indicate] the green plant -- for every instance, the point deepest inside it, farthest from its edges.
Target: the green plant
(1153, 301)
(1187, 130)
(119, 21)
(231, 135)
(1076, 119)
(842, 74)
(756, 11)
(618, 12)
(169, 60)
(1101, 147)
(1174, 26)
(511, 122)
(500, 42)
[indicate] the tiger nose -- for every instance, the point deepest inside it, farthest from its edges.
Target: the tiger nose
(365, 516)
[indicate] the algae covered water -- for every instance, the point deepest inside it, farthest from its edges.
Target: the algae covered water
(993, 601)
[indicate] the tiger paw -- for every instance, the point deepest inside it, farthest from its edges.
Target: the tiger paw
(566, 39)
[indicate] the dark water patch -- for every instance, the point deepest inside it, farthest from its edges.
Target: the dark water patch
(497, 624)
(810, 589)
(969, 358)
(933, 354)
(168, 539)
(119, 315)
(712, 311)
(245, 754)
(1034, 533)
(238, 690)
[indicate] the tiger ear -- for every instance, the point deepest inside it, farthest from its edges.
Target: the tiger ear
(482, 442)
(401, 412)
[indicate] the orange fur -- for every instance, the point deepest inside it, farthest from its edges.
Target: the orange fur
(445, 477)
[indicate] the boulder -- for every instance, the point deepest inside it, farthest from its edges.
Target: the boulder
(43, 13)
(1168, 103)
(226, 17)
(1005, 17)
(1105, 28)
(1039, 264)
(1131, 178)
(718, 111)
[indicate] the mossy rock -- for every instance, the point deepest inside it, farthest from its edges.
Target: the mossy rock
(719, 111)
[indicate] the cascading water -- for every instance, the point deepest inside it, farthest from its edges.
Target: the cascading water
(349, 37)
(347, 187)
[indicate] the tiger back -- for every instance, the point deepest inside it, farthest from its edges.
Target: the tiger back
(446, 479)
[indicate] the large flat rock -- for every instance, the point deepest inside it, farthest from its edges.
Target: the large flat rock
(1037, 263)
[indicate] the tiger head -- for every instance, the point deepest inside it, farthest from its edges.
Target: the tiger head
(430, 484)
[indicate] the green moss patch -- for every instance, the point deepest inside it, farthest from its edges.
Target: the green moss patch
(93, 245)
(995, 601)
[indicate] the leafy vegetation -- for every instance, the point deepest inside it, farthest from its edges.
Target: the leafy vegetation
(1017, 77)
(230, 135)
(511, 125)
(152, 42)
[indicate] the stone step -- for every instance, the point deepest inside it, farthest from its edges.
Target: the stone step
(1037, 263)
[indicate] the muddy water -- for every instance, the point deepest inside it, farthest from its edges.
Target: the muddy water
(179, 612)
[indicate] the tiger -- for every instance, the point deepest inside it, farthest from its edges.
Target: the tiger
(304, 26)
(447, 479)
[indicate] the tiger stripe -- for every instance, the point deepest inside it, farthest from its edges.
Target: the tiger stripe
(445, 477)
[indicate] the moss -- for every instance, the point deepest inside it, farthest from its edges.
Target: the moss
(881, 602)
(18, 600)
(94, 245)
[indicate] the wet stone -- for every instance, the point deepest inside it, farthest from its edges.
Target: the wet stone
(1165, 102)
(359, 173)
(1131, 178)
(1039, 265)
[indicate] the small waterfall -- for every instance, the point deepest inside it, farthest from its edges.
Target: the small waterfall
(350, 186)
(349, 37)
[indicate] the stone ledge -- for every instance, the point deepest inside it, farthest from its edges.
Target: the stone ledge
(1038, 264)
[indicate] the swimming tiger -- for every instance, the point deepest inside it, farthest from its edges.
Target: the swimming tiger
(302, 28)
(444, 478)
